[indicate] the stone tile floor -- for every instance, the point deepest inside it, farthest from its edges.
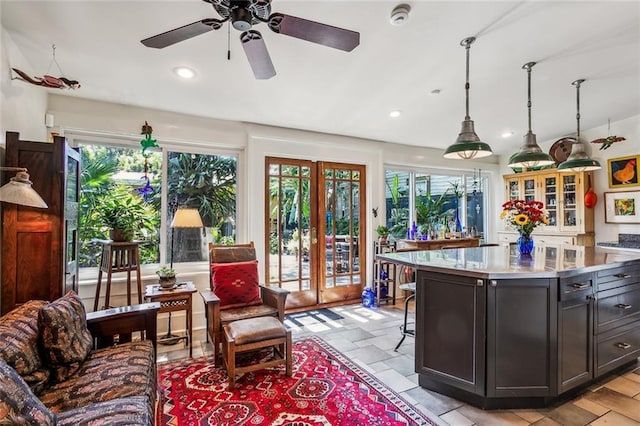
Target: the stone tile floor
(368, 337)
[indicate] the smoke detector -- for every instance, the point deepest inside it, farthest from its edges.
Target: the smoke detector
(400, 14)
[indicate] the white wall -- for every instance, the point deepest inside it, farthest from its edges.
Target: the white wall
(23, 104)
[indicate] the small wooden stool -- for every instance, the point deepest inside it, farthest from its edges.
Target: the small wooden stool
(251, 334)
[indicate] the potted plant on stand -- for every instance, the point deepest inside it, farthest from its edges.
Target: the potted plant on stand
(124, 214)
(383, 234)
(166, 276)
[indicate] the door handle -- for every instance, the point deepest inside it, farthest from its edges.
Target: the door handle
(314, 235)
(623, 306)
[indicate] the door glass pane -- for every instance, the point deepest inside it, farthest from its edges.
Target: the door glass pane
(330, 241)
(569, 194)
(551, 199)
(274, 228)
(529, 189)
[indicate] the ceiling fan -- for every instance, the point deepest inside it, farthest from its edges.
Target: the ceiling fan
(244, 14)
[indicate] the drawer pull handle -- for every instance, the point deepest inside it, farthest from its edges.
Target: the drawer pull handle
(623, 345)
(623, 306)
(622, 276)
(579, 286)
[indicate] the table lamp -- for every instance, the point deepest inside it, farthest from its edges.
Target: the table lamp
(184, 218)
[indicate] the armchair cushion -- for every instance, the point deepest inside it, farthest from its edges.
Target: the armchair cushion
(66, 340)
(236, 283)
(18, 405)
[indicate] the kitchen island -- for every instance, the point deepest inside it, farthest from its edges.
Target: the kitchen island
(500, 331)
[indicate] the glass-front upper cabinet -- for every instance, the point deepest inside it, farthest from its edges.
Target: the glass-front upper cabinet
(522, 188)
(570, 209)
(551, 199)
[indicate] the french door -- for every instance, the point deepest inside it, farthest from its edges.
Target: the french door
(315, 228)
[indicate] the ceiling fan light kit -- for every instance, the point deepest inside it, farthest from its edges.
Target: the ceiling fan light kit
(468, 145)
(579, 160)
(530, 155)
(243, 15)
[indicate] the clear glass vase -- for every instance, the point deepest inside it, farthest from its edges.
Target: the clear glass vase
(525, 244)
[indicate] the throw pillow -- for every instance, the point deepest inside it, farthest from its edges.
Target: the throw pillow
(18, 405)
(236, 283)
(19, 344)
(65, 338)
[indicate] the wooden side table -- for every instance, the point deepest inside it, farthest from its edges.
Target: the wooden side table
(177, 299)
(118, 257)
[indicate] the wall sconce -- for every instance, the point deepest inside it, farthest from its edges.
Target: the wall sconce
(19, 190)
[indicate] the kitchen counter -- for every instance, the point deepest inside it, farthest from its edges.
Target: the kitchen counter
(497, 330)
(503, 261)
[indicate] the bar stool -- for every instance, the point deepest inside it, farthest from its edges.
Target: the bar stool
(118, 257)
(411, 287)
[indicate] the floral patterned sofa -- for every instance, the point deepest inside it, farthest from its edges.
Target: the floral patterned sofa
(59, 366)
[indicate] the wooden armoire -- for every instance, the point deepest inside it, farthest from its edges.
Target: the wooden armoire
(40, 246)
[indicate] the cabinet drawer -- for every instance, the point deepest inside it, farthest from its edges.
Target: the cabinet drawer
(618, 347)
(554, 239)
(617, 277)
(617, 307)
(580, 286)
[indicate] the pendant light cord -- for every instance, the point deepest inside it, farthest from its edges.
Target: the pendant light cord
(577, 83)
(528, 67)
(467, 45)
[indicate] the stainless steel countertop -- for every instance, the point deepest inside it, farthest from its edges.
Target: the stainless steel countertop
(504, 261)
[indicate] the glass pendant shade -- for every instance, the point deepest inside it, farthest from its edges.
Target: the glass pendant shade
(19, 190)
(530, 155)
(579, 160)
(468, 145)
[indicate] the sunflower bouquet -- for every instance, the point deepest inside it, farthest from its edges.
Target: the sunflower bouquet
(524, 216)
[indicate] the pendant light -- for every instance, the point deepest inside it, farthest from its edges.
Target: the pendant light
(530, 155)
(468, 144)
(578, 161)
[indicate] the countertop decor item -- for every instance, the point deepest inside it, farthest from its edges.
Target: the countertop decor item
(468, 144)
(524, 217)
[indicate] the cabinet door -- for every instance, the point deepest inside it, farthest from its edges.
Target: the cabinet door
(521, 327)
(450, 330)
(575, 332)
(570, 218)
(550, 199)
(70, 159)
(31, 237)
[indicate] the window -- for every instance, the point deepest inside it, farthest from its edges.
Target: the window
(434, 202)
(117, 173)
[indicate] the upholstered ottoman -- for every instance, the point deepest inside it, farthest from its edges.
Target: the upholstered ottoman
(252, 334)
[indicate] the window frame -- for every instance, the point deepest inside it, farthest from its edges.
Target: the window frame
(75, 138)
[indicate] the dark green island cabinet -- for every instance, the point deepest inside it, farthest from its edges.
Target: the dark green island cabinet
(500, 331)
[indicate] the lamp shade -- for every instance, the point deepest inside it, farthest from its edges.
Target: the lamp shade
(187, 218)
(20, 191)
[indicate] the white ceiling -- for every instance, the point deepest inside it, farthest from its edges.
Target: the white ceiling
(394, 67)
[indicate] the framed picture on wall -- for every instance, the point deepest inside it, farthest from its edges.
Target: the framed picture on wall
(623, 171)
(622, 207)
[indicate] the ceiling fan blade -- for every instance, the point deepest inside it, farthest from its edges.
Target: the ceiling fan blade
(257, 54)
(315, 32)
(183, 33)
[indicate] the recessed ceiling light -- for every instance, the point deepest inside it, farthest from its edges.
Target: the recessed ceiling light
(184, 72)
(395, 114)
(507, 134)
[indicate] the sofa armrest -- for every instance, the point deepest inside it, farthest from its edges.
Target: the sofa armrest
(122, 322)
(275, 297)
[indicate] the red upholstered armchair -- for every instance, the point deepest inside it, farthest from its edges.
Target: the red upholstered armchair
(235, 290)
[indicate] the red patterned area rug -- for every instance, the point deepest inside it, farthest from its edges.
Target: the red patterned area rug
(326, 389)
